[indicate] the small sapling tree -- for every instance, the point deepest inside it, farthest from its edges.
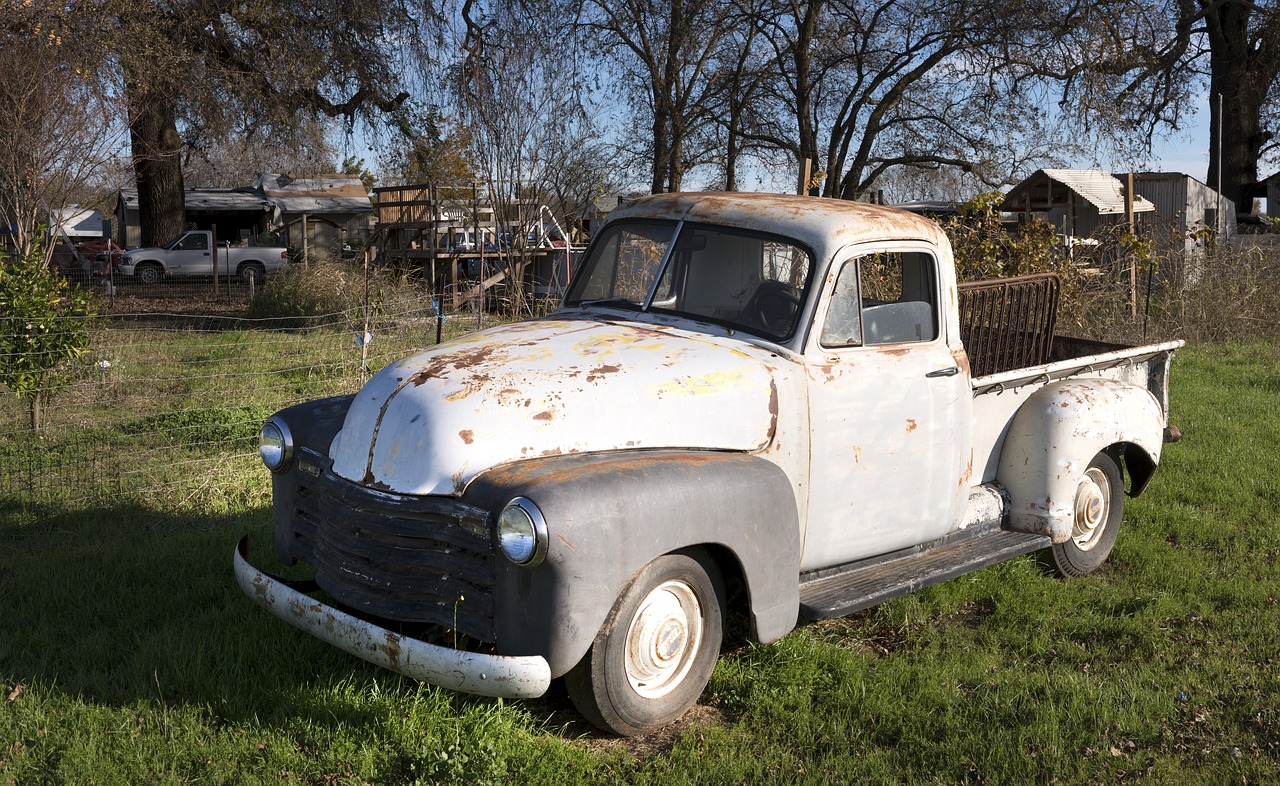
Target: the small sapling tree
(43, 326)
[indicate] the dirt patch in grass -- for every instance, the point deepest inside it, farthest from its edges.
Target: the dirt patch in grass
(560, 714)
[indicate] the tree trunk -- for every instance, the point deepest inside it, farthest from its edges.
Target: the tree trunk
(36, 413)
(1241, 73)
(659, 147)
(157, 163)
(807, 28)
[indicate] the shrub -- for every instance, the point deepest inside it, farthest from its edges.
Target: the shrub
(44, 324)
(304, 296)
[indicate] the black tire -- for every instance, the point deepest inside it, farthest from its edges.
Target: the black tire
(149, 273)
(1099, 507)
(252, 272)
(628, 690)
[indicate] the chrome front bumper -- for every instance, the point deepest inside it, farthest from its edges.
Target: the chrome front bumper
(510, 677)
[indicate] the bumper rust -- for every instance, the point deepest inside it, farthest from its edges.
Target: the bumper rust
(511, 677)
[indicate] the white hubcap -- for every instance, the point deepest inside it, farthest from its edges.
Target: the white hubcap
(1093, 507)
(663, 639)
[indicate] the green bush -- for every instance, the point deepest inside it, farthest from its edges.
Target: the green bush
(984, 248)
(44, 325)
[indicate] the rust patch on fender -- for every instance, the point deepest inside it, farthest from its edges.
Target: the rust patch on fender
(543, 415)
(773, 409)
(466, 435)
(911, 425)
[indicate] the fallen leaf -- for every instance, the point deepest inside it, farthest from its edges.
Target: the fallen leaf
(15, 693)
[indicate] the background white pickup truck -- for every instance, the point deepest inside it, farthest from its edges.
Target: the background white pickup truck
(777, 406)
(191, 254)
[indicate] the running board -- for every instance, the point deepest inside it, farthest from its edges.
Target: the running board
(867, 583)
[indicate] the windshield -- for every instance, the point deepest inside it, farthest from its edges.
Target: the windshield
(737, 278)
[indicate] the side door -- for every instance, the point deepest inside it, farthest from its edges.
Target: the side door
(191, 255)
(889, 409)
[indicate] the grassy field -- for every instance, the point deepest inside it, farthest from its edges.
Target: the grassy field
(128, 656)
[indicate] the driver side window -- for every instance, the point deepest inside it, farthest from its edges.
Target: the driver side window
(194, 243)
(885, 298)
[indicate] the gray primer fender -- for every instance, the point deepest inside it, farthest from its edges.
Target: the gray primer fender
(609, 514)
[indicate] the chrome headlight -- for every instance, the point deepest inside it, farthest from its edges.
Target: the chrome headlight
(522, 533)
(275, 444)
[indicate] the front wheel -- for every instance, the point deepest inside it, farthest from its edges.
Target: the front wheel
(656, 650)
(149, 273)
(1099, 506)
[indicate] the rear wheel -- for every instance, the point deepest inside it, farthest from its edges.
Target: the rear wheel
(252, 273)
(656, 651)
(1098, 508)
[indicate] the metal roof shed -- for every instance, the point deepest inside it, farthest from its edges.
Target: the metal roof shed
(1076, 201)
(1186, 205)
(319, 212)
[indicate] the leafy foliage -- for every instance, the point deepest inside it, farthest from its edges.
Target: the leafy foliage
(984, 248)
(45, 326)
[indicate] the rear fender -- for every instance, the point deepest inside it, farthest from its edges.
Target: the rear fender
(609, 514)
(1057, 432)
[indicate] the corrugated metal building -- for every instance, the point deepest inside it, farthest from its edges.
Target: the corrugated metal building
(1272, 186)
(1189, 210)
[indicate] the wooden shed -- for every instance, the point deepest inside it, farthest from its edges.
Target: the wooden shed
(1077, 202)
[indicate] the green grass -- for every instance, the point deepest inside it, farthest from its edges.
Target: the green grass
(140, 662)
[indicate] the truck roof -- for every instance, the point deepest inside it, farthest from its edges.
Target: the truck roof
(823, 224)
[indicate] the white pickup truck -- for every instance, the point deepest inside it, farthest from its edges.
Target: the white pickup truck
(192, 254)
(777, 406)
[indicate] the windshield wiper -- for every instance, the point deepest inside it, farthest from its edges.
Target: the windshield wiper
(618, 302)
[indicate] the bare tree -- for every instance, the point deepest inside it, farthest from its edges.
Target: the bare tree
(866, 86)
(662, 53)
(518, 87)
(228, 159)
(58, 127)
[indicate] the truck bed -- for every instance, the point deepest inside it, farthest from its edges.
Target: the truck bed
(1008, 329)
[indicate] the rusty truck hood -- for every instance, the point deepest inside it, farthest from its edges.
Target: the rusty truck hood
(430, 423)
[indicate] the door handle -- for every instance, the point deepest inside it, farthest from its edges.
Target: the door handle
(944, 372)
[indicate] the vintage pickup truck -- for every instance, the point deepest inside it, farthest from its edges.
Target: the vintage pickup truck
(191, 254)
(774, 406)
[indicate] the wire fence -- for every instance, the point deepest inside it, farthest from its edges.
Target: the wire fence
(164, 407)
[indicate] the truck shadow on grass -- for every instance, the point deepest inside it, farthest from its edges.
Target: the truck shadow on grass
(129, 607)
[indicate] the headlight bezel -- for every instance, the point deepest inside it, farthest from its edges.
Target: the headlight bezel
(286, 444)
(525, 514)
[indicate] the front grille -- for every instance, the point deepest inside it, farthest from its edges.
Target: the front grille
(425, 560)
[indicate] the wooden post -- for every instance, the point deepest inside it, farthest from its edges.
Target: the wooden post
(805, 173)
(1133, 259)
(213, 249)
(306, 259)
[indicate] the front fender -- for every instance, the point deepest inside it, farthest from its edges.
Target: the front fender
(1057, 432)
(609, 514)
